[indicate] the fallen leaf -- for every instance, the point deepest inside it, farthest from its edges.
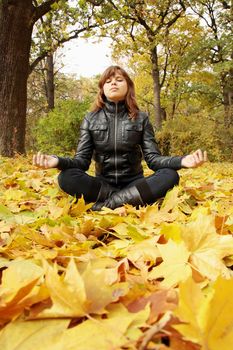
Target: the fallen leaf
(175, 267)
(207, 315)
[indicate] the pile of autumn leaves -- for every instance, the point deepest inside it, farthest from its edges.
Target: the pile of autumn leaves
(76, 279)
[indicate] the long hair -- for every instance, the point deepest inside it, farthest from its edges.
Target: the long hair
(130, 99)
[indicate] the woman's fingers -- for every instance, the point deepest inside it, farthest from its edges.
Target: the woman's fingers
(40, 160)
(34, 159)
(200, 157)
(205, 156)
(45, 161)
(194, 159)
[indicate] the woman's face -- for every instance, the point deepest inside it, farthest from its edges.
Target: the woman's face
(115, 88)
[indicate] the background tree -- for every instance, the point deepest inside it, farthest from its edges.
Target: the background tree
(55, 29)
(143, 25)
(17, 20)
(177, 57)
(216, 17)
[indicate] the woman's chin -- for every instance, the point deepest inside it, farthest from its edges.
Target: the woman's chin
(115, 98)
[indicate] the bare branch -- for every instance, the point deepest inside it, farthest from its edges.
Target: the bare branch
(131, 31)
(157, 327)
(225, 5)
(37, 61)
(43, 9)
(96, 2)
(165, 71)
(120, 12)
(73, 35)
(174, 19)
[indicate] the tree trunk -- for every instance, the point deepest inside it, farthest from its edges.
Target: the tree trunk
(156, 88)
(50, 82)
(15, 39)
(227, 86)
(173, 109)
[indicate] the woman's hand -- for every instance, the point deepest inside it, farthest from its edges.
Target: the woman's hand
(45, 161)
(194, 159)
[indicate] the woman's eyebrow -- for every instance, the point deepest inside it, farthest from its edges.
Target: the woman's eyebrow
(116, 76)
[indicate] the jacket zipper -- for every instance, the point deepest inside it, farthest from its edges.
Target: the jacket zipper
(115, 146)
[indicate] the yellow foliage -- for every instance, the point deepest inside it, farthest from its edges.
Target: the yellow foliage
(76, 279)
(207, 315)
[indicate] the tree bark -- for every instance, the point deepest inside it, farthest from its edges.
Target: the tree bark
(156, 88)
(227, 87)
(50, 82)
(15, 40)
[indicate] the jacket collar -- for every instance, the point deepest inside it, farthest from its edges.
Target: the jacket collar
(113, 107)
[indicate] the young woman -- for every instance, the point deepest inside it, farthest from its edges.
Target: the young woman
(116, 134)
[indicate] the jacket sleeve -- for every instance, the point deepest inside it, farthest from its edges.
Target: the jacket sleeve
(152, 154)
(82, 158)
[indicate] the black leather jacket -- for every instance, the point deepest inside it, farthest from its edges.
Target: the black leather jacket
(117, 144)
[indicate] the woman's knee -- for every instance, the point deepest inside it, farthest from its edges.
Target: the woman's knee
(68, 180)
(171, 176)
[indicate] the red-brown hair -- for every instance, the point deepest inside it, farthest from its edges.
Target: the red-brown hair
(130, 99)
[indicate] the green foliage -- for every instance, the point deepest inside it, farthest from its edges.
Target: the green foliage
(58, 131)
(66, 88)
(185, 134)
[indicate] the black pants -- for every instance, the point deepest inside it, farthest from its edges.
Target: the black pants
(77, 183)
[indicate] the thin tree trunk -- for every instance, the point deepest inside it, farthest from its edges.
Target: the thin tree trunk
(15, 40)
(173, 108)
(227, 86)
(156, 88)
(50, 82)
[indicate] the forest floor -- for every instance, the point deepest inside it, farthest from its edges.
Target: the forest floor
(158, 277)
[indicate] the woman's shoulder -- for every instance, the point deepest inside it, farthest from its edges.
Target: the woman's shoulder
(92, 114)
(143, 115)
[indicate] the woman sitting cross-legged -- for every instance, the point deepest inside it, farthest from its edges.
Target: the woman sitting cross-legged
(117, 135)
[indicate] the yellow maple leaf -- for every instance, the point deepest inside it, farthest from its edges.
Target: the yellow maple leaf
(175, 266)
(171, 231)
(207, 248)
(37, 334)
(111, 333)
(171, 199)
(144, 251)
(80, 207)
(67, 292)
(207, 316)
(14, 194)
(76, 294)
(18, 288)
(151, 216)
(101, 285)
(120, 327)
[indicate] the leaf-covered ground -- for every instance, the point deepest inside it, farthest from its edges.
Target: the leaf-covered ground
(158, 277)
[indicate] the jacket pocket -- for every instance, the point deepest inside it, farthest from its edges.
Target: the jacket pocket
(132, 132)
(99, 131)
